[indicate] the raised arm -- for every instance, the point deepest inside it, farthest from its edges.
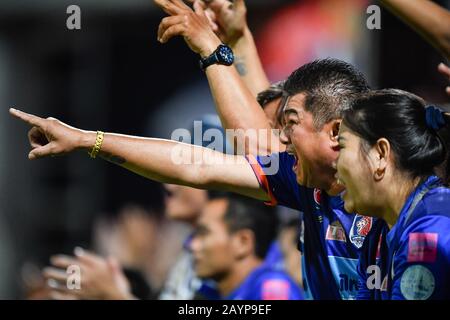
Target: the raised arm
(230, 20)
(157, 159)
(426, 17)
(235, 103)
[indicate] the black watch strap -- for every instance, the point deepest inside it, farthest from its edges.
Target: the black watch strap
(222, 55)
(208, 61)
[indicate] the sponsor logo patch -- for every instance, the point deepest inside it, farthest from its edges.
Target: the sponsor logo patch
(336, 232)
(417, 283)
(422, 247)
(317, 196)
(275, 290)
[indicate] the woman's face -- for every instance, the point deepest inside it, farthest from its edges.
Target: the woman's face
(355, 170)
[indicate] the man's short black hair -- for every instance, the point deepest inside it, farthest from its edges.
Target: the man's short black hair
(246, 213)
(274, 92)
(330, 86)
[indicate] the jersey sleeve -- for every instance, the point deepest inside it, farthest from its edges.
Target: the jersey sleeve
(422, 262)
(278, 180)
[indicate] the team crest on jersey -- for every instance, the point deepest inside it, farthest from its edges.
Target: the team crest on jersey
(336, 232)
(317, 196)
(360, 229)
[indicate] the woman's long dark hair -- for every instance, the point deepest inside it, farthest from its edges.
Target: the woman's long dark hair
(400, 117)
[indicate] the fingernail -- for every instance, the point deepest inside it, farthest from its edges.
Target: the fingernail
(52, 283)
(78, 251)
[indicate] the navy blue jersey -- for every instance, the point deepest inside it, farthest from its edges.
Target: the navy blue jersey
(372, 267)
(413, 259)
(263, 283)
(332, 238)
(274, 257)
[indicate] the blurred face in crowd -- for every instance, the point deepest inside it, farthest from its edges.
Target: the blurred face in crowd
(315, 150)
(184, 203)
(214, 247)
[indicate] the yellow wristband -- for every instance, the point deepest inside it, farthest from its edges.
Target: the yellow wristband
(98, 144)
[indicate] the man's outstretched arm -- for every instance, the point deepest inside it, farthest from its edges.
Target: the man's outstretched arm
(157, 159)
(427, 18)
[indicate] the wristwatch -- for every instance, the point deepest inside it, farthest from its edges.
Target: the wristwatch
(222, 55)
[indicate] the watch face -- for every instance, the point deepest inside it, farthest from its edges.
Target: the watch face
(226, 55)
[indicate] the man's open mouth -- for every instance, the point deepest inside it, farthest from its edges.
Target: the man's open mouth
(292, 153)
(294, 167)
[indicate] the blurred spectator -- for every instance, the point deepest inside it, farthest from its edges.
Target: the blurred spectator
(231, 240)
(142, 243)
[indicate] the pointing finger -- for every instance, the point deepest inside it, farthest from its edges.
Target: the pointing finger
(29, 118)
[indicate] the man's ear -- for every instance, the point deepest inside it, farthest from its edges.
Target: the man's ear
(333, 132)
(382, 151)
(243, 243)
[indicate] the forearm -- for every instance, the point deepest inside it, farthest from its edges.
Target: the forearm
(248, 64)
(156, 159)
(238, 109)
(426, 17)
(174, 162)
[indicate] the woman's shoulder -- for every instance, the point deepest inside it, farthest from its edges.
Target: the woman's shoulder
(436, 202)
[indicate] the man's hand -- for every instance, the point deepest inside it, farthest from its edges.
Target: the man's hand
(193, 25)
(445, 70)
(228, 19)
(100, 278)
(50, 137)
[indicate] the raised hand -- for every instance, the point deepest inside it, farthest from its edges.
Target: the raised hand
(192, 25)
(100, 278)
(229, 19)
(445, 70)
